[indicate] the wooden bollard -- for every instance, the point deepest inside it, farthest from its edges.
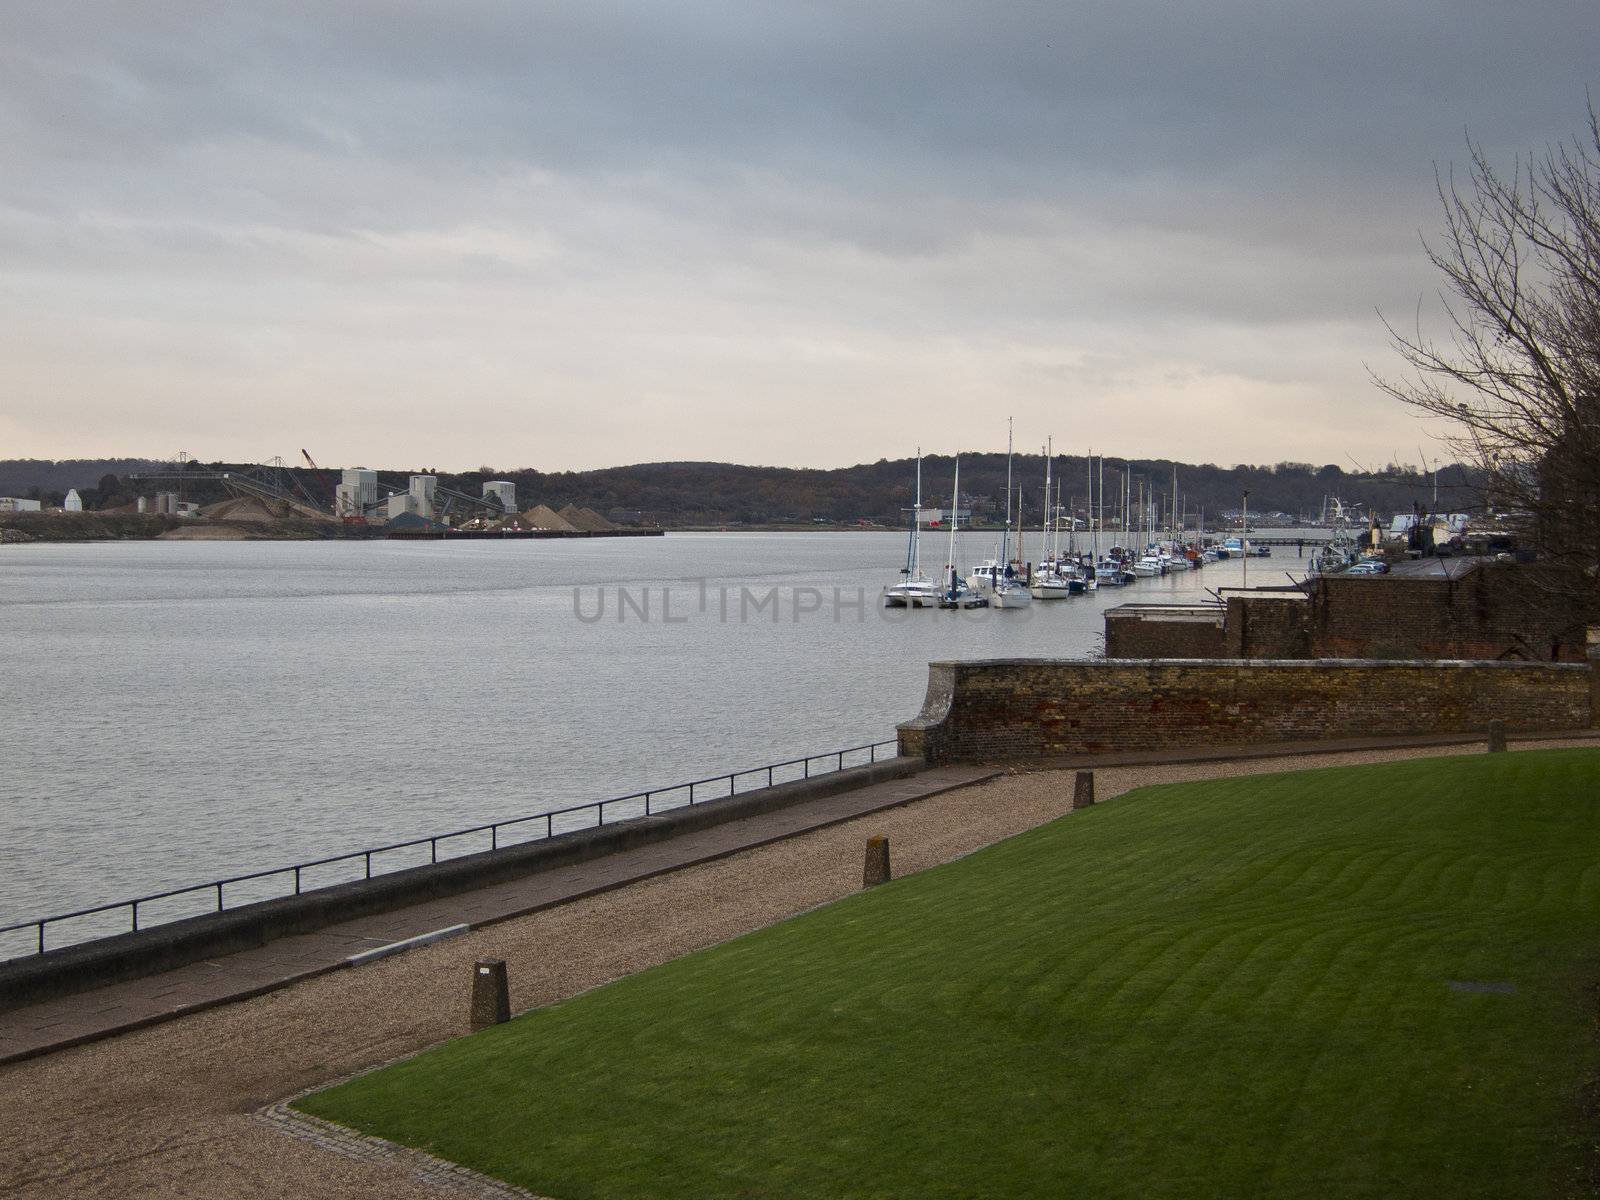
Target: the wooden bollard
(1083, 790)
(491, 995)
(876, 868)
(1497, 736)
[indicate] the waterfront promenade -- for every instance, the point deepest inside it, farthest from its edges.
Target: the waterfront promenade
(173, 1110)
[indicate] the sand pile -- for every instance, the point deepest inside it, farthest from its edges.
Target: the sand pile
(544, 517)
(586, 519)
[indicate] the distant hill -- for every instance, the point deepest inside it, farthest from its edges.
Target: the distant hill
(26, 476)
(674, 494)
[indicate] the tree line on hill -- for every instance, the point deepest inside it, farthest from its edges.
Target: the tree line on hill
(880, 493)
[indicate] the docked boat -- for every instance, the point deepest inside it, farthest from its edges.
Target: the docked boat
(1108, 573)
(1050, 581)
(997, 582)
(1149, 566)
(916, 590)
(957, 592)
(997, 578)
(1049, 584)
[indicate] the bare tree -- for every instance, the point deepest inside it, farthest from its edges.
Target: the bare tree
(1517, 377)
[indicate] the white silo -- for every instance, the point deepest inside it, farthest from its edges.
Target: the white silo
(422, 490)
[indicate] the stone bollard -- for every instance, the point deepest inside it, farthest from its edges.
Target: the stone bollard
(1083, 790)
(491, 995)
(876, 869)
(1497, 736)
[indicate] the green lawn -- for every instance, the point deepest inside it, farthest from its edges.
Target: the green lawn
(1236, 989)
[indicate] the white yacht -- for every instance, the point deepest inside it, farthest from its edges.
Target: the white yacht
(956, 592)
(916, 590)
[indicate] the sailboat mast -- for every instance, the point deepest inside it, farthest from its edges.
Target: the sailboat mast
(1094, 526)
(1046, 550)
(916, 524)
(1172, 514)
(955, 504)
(1005, 534)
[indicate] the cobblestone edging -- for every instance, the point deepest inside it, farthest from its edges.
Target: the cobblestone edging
(424, 1168)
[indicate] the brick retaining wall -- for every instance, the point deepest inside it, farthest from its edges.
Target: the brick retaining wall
(1044, 708)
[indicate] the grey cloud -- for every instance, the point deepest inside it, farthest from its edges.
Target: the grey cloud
(894, 177)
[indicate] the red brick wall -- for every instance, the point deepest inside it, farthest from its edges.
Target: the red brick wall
(1490, 611)
(1267, 627)
(1021, 708)
(1133, 636)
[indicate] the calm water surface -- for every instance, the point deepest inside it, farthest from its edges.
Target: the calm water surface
(179, 711)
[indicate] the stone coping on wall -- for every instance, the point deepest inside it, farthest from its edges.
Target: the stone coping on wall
(1263, 663)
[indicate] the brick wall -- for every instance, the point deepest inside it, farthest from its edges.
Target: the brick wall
(1039, 708)
(1143, 631)
(1267, 626)
(1492, 611)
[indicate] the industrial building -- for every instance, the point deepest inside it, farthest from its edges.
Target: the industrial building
(356, 494)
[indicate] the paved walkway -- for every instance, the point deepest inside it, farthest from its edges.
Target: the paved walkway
(88, 1016)
(104, 1012)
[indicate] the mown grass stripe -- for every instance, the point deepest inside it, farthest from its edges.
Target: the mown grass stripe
(1237, 987)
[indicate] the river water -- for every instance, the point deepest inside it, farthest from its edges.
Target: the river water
(181, 711)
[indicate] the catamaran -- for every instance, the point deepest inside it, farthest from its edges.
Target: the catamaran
(916, 590)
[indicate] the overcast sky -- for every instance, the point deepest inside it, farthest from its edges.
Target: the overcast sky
(802, 233)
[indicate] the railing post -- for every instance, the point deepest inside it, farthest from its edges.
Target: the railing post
(41, 937)
(297, 881)
(219, 896)
(691, 793)
(769, 776)
(494, 837)
(369, 864)
(133, 906)
(549, 826)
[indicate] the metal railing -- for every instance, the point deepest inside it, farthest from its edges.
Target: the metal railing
(643, 804)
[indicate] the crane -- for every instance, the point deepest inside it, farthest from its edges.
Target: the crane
(324, 478)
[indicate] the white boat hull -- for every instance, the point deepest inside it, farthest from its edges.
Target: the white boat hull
(910, 596)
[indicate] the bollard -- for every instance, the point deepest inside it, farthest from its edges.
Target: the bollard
(876, 870)
(491, 995)
(1083, 790)
(1497, 736)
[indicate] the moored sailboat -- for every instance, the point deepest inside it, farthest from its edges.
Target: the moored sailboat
(916, 590)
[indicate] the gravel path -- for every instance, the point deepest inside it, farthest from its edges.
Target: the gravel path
(170, 1111)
